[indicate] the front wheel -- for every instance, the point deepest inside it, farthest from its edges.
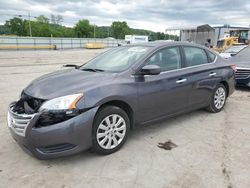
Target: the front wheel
(110, 130)
(218, 99)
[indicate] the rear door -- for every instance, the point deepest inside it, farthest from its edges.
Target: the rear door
(166, 93)
(202, 74)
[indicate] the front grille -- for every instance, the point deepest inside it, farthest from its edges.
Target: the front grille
(242, 73)
(19, 122)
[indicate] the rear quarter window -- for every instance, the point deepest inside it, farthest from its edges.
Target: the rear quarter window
(211, 56)
(195, 56)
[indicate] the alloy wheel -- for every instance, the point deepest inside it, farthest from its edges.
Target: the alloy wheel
(111, 131)
(219, 98)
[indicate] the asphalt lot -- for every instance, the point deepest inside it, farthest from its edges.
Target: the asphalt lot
(213, 150)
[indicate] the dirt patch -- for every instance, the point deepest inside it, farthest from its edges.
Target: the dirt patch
(168, 145)
(226, 175)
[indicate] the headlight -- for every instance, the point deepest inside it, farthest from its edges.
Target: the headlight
(62, 103)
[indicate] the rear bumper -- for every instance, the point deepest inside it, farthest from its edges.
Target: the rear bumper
(62, 139)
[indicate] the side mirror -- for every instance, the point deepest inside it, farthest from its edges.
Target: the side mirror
(150, 70)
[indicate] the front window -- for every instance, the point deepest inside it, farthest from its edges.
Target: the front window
(116, 60)
(167, 59)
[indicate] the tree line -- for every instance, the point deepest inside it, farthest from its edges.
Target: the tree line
(44, 27)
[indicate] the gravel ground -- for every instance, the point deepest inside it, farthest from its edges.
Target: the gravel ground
(212, 150)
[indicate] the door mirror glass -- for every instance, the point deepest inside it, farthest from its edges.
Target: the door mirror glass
(151, 70)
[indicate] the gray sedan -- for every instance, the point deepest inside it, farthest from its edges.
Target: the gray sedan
(96, 105)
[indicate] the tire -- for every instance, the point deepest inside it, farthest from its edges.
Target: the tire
(108, 137)
(218, 99)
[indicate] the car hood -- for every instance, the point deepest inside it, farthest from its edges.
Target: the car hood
(240, 63)
(243, 64)
(66, 82)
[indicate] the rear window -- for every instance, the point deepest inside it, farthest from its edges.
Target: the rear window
(195, 56)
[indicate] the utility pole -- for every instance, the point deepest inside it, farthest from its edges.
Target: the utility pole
(30, 25)
(94, 30)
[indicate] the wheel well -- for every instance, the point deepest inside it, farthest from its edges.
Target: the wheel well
(226, 86)
(123, 105)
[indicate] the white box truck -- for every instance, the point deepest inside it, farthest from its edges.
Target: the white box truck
(131, 39)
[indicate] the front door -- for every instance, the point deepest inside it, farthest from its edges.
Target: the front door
(167, 93)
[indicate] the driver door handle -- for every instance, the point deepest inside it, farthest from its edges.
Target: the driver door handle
(181, 81)
(212, 74)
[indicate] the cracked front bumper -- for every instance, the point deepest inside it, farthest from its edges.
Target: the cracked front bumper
(61, 139)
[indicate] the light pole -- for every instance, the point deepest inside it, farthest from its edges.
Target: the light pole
(30, 25)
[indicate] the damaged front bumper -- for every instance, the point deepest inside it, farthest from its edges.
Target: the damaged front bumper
(60, 139)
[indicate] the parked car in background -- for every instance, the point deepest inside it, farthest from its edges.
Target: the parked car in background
(242, 62)
(96, 105)
(242, 76)
(232, 51)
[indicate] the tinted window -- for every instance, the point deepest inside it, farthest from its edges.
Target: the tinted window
(167, 59)
(195, 56)
(211, 56)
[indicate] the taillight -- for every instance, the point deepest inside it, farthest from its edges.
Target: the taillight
(233, 67)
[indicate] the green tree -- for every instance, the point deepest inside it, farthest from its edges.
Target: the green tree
(4, 30)
(120, 29)
(17, 26)
(102, 32)
(40, 27)
(56, 19)
(84, 29)
(42, 19)
(44, 27)
(160, 36)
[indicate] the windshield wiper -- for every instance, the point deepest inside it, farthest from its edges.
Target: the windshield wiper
(93, 70)
(72, 65)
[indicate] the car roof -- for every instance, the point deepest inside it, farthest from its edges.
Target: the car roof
(159, 44)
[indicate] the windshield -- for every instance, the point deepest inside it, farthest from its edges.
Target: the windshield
(116, 60)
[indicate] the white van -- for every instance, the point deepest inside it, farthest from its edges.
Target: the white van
(131, 39)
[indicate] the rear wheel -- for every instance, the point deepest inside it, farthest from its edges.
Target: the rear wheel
(218, 99)
(110, 130)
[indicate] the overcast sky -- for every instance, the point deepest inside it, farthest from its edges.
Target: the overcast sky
(146, 14)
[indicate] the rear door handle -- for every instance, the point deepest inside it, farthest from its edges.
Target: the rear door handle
(212, 74)
(181, 81)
